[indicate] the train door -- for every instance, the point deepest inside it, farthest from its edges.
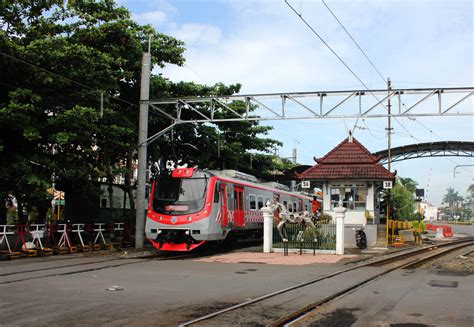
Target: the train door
(223, 210)
(238, 206)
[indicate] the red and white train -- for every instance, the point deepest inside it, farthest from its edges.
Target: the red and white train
(188, 207)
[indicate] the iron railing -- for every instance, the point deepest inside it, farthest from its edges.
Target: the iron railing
(301, 237)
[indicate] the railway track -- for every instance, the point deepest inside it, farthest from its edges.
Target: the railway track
(291, 305)
(77, 265)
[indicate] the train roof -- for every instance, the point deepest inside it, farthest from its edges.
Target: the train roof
(250, 180)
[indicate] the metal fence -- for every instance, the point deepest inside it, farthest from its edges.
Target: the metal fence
(301, 237)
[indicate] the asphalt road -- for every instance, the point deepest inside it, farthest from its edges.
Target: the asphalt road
(462, 229)
(154, 292)
(164, 293)
(405, 298)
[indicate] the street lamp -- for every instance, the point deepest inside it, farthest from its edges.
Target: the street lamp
(454, 170)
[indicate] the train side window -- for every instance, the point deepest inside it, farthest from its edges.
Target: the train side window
(294, 207)
(285, 204)
(253, 203)
(216, 193)
(260, 202)
(236, 205)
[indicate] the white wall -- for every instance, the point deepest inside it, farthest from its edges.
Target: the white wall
(352, 217)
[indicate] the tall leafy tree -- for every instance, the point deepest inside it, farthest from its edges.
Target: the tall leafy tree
(58, 58)
(401, 199)
(452, 197)
(408, 183)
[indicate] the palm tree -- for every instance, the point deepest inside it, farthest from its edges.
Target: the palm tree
(452, 197)
(470, 191)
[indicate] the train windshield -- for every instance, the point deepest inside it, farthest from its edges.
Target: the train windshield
(179, 196)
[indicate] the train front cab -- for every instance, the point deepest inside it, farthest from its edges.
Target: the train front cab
(186, 208)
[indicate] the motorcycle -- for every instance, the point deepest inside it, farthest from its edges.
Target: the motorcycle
(361, 238)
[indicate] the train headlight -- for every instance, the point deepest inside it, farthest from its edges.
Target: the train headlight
(190, 218)
(160, 218)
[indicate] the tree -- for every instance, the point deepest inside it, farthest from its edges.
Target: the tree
(408, 183)
(401, 199)
(57, 59)
(470, 191)
(452, 197)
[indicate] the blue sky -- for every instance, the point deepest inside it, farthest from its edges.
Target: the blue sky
(264, 46)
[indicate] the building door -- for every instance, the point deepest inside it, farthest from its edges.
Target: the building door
(223, 205)
(238, 206)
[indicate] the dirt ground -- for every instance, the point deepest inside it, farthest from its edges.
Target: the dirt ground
(457, 261)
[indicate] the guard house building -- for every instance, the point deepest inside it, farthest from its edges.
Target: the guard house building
(351, 173)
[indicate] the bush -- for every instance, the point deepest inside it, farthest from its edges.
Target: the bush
(325, 218)
(422, 225)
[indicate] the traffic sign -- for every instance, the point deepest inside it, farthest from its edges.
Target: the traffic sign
(387, 184)
(305, 184)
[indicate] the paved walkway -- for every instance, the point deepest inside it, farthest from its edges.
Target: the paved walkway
(293, 259)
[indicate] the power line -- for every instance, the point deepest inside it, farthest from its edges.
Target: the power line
(378, 72)
(343, 62)
(326, 44)
(347, 32)
(78, 83)
(370, 61)
(65, 78)
(355, 75)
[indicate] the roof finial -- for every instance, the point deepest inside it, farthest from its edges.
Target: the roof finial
(350, 136)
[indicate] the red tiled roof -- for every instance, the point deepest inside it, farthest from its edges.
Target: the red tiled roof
(348, 160)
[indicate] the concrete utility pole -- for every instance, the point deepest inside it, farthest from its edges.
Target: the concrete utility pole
(389, 131)
(142, 150)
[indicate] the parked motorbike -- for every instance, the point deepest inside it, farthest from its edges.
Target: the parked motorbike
(361, 238)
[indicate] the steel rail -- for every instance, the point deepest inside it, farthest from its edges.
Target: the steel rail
(291, 288)
(145, 258)
(309, 309)
(57, 267)
(74, 272)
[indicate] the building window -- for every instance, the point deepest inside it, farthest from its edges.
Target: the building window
(353, 197)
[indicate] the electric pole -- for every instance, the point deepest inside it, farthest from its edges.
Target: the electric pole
(142, 149)
(389, 131)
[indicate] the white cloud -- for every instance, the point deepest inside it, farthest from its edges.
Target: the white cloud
(155, 18)
(268, 49)
(198, 34)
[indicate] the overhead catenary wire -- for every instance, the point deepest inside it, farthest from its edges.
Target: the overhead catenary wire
(353, 73)
(341, 60)
(358, 46)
